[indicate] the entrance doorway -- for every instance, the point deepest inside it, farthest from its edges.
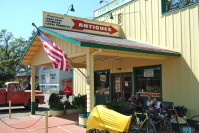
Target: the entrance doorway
(122, 86)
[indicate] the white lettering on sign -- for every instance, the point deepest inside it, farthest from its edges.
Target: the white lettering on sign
(65, 22)
(110, 6)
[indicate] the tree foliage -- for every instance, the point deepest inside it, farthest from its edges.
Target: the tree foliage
(11, 49)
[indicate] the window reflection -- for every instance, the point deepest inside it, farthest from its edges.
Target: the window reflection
(101, 82)
(148, 81)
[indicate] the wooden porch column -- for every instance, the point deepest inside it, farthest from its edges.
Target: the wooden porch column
(33, 89)
(90, 88)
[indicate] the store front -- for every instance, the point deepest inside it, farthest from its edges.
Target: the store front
(116, 67)
(148, 81)
(121, 86)
(145, 80)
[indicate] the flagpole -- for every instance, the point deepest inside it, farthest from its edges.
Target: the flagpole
(76, 67)
(87, 78)
(33, 24)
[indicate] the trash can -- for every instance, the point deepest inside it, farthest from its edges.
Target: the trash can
(105, 119)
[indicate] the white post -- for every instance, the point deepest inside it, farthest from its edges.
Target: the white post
(46, 122)
(9, 109)
(33, 90)
(90, 74)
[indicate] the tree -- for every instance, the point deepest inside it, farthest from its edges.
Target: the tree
(7, 71)
(11, 49)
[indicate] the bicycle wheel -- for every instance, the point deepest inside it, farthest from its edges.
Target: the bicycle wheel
(161, 125)
(176, 123)
(194, 122)
(133, 126)
(166, 124)
(148, 127)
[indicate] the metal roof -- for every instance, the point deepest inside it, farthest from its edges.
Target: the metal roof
(99, 41)
(95, 41)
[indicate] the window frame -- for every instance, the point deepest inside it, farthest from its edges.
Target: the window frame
(108, 79)
(120, 18)
(163, 7)
(145, 67)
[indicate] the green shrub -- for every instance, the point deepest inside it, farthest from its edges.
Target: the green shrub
(118, 105)
(67, 104)
(80, 103)
(55, 101)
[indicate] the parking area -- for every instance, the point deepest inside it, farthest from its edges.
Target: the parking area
(36, 124)
(23, 122)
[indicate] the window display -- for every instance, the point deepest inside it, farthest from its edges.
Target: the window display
(101, 82)
(148, 80)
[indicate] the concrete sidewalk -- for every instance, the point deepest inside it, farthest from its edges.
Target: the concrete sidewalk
(62, 124)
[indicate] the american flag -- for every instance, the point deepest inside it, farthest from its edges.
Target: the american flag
(56, 55)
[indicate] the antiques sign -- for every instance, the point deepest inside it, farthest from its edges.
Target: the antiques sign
(65, 22)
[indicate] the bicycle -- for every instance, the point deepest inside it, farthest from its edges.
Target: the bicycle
(161, 119)
(177, 119)
(194, 122)
(141, 123)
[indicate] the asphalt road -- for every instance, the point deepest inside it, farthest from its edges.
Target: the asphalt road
(18, 111)
(22, 111)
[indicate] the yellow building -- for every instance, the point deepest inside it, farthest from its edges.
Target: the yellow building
(147, 48)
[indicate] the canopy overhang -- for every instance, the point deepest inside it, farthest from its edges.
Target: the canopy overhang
(95, 41)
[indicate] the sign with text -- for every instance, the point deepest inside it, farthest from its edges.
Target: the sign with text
(65, 22)
(110, 6)
(148, 73)
(149, 94)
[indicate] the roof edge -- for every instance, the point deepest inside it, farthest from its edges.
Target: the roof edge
(111, 10)
(27, 47)
(98, 45)
(61, 36)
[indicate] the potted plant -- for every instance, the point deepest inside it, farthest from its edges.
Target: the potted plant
(56, 105)
(69, 109)
(80, 103)
(119, 105)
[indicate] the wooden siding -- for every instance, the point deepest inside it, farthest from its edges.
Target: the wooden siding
(178, 85)
(69, 48)
(178, 31)
(79, 82)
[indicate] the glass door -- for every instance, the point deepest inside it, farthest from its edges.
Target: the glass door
(117, 86)
(122, 87)
(127, 86)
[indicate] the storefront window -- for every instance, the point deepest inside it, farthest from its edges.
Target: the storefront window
(148, 80)
(101, 82)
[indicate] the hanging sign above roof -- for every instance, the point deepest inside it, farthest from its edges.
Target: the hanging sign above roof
(110, 6)
(65, 22)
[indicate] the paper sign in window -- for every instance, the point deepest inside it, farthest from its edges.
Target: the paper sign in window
(148, 73)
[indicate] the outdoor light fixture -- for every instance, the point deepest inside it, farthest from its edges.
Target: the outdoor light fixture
(111, 16)
(71, 9)
(103, 1)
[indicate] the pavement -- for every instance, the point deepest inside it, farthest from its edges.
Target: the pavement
(23, 122)
(36, 124)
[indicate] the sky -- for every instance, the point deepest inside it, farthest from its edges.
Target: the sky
(17, 16)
